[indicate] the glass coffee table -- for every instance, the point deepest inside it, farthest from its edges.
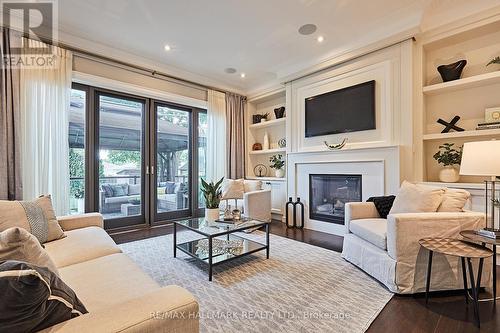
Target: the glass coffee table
(219, 243)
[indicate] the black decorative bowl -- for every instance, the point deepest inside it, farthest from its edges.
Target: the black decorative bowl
(452, 71)
(279, 112)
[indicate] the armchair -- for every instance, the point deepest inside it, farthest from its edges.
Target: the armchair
(388, 249)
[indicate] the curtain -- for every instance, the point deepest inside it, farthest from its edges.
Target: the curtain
(216, 139)
(10, 127)
(235, 136)
(45, 101)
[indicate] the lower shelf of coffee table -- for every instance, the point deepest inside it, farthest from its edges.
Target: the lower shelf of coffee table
(197, 250)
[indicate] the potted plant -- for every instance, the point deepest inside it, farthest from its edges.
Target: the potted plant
(212, 194)
(449, 157)
(277, 163)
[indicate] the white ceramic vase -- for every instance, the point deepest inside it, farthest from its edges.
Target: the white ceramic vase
(280, 173)
(211, 214)
(265, 146)
(449, 174)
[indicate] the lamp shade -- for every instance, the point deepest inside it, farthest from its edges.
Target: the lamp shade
(481, 158)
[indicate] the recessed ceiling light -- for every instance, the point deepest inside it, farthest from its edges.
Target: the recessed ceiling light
(242, 75)
(230, 70)
(320, 39)
(167, 47)
(307, 29)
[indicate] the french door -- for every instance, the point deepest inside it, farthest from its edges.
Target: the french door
(143, 157)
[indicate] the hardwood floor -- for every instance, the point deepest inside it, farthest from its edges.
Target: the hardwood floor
(446, 311)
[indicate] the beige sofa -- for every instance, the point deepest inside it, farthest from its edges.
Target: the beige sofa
(388, 249)
(117, 294)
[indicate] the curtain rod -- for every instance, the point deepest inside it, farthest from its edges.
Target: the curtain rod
(126, 65)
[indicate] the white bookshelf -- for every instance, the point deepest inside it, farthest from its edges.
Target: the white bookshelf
(269, 123)
(268, 151)
(464, 83)
(464, 134)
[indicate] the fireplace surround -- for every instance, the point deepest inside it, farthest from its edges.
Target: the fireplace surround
(328, 194)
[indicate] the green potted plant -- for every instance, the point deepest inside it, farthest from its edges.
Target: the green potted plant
(212, 194)
(495, 63)
(277, 164)
(450, 158)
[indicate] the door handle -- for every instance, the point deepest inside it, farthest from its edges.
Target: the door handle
(152, 170)
(147, 169)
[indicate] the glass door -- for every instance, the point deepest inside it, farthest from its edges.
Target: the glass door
(120, 159)
(173, 154)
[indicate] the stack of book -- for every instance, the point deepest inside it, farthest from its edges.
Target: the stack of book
(485, 126)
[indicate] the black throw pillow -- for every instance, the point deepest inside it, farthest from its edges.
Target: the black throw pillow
(383, 204)
(34, 298)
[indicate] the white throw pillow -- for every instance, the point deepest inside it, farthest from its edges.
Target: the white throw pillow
(454, 200)
(233, 189)
(416, 198)
(252, 185)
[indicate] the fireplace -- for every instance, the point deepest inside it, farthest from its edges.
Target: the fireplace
(328, 194)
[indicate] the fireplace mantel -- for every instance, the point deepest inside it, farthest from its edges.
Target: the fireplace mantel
(379, 167)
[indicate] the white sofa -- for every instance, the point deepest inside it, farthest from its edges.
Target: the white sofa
(255, 204)
(118, 295)
(388, 249)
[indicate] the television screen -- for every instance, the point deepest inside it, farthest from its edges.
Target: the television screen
(345, 110)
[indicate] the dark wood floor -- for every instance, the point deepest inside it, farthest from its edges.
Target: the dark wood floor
(446, 312)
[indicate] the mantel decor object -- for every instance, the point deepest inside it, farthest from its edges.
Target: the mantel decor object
(282, 143)
(256, 146)
(336, 146)
(294, 223)
(279, 112)
(452, 71)
(260, 170)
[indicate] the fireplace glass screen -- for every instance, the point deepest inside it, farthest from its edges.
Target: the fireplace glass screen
(328, 195)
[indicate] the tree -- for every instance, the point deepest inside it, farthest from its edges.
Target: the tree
(77, 170)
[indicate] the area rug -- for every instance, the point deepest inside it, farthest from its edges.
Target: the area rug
(300, 288)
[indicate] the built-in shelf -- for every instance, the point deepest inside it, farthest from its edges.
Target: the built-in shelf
(464, 134)
(268, 123)
(267, 151)
(465, 83)
(267, 179)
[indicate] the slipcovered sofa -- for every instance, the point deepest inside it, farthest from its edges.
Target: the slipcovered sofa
(389, 251)
(118, 295)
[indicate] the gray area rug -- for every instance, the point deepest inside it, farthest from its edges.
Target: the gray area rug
(301, 288)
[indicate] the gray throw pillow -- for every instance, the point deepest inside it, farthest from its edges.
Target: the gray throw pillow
(108, 191)
(119, 190)
(34, 298)
(170, 188)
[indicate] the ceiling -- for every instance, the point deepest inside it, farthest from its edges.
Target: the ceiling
(257, 37)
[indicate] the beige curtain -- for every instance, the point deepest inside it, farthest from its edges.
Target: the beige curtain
(235, 134)
(10, 156)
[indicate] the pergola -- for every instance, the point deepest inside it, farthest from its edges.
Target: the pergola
(120, 129)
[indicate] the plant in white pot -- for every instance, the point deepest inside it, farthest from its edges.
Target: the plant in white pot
(450, 158)
(212, 194)
(277, 164)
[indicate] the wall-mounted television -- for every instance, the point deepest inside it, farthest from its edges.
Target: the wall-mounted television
(349, 109)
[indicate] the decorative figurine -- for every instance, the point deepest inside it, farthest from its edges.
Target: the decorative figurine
(450, 125)
(336, 146)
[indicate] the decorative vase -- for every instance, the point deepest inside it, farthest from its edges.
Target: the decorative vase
(256, 118)
(280, 173)
(449, 174)
(263, 120)
(279, 112)
(452, 71)
(265, 146)
(211, 214)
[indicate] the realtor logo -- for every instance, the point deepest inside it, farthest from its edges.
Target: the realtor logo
(36, 21)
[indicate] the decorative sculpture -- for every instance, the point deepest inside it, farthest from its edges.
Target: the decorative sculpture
(336, 146)
(452, 71)
(279, 112)
(260, 170)
(450, 125)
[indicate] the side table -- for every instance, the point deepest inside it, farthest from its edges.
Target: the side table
(464, 250)
(472, 236)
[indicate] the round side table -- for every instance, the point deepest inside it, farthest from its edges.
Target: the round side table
(473, 236)
(464, 250)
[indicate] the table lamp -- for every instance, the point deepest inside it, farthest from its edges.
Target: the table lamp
(482, 158)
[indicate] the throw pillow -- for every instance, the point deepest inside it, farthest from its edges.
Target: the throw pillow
(415, 198)
(118, 190)
(108, 191)
(19, 244)
(383, 204)
(36, 216)
(34, 298)
(252, 185)
(233, 189)
(454, 200)
(170, 188)
(134, 189)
